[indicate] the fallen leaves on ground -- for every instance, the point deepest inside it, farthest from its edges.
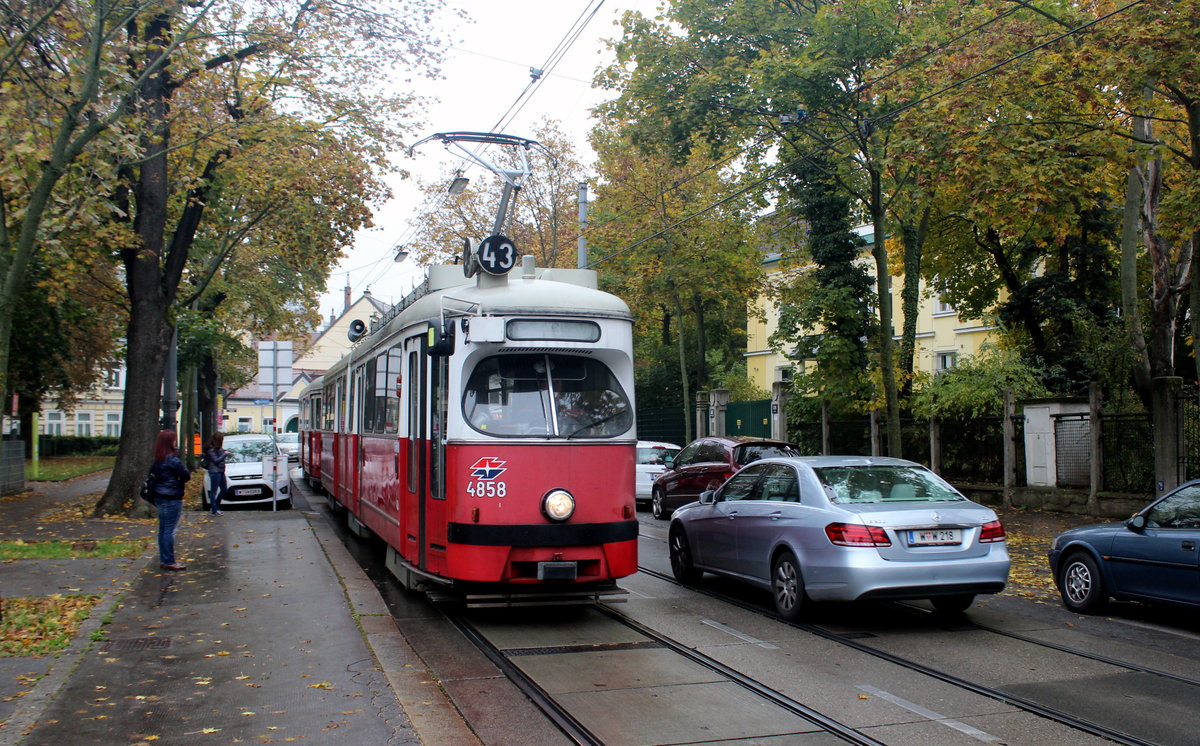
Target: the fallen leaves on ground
(35, 627)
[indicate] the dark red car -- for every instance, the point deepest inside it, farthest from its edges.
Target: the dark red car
(705, 464)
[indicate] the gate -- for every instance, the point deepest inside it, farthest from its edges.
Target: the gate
(1072, 450)
(752, 418)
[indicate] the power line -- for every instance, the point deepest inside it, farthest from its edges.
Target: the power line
(890, 115)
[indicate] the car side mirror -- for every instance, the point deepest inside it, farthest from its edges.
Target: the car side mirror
(708, 497)
(1136, 523)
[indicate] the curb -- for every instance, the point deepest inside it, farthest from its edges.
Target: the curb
(433, 716)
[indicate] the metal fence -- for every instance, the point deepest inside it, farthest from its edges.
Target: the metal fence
(1189, 467)
(661, 423)
(12, 466)
(973, 449)
(1127, 448)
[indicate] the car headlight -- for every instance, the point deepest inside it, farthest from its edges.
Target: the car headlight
(558, 505)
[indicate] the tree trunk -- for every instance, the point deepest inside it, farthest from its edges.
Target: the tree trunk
(701, 342)
(148, 333)
(914, 239)
(886, 343)
(1130, 302)
(683, 374)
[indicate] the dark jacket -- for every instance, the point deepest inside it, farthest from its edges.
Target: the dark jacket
(169, 477)
(214, 460)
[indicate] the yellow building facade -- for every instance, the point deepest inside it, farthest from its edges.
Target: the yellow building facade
(942, 336)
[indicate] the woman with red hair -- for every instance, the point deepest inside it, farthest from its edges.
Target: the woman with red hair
(169, 477)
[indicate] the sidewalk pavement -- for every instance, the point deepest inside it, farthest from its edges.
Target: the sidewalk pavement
(272, 634)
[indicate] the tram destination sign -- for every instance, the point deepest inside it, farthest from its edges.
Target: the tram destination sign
(497, 255)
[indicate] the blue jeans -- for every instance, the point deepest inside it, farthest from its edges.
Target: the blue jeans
(217, 487)
(169, 512)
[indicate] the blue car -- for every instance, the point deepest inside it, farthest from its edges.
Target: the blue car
(1151, 557)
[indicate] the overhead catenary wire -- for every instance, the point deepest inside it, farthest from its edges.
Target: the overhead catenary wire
(854, 92)
(383, 264)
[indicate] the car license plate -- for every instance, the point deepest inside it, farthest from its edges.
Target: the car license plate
(934, 536)
(247, 491)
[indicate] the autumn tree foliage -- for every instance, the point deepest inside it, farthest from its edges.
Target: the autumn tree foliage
(142, 110)
(677, 242)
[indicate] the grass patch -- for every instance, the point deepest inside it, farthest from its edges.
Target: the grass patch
(104, 548)
(36, 627)
(65, 467)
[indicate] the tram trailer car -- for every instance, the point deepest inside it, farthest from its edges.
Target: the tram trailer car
(484, 430)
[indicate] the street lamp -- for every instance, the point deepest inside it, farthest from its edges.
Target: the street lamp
(458, 185)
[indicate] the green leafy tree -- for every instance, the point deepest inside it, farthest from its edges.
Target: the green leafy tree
(106, 100)
(824, 313)
(722, 74)
(975, 386)
(687, 281)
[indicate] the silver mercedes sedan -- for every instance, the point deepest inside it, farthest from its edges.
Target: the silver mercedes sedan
(842, 528)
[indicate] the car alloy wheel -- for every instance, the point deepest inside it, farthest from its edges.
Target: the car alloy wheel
(656, 505)
(1080, 584)
(787, 586)
(681, 558)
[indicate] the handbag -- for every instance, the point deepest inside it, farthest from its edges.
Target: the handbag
(147, 491)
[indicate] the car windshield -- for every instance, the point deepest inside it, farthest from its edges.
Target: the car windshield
(656, 454)
(752, 452)
(879, 484)
(556, 396)
(246, 451)
(289, 438)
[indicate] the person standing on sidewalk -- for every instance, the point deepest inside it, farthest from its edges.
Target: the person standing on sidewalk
(169, 477)
(214, 463)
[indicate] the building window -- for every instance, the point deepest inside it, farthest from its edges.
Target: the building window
(54, 423)
(83, 423)
(784, 373)
(942, 307)
(944, 361)
(112, 423)
(115, 378)
(243, 424)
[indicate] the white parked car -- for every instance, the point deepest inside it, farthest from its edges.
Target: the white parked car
(653, 457)
(289, 445)
(244, 470)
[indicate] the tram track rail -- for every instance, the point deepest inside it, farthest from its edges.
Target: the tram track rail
(1022, 703)
(576, 731)
(579, 733)
(1086, 654)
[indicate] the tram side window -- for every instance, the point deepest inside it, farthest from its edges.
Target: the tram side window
(545, 396)
(381, 405)
(395, 379)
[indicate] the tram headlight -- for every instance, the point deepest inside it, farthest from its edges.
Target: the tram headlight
(558, 505)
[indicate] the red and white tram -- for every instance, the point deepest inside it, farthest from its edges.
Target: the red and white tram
(484, 430)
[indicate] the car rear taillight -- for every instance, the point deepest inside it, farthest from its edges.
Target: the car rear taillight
(856, 535)
(991, 532)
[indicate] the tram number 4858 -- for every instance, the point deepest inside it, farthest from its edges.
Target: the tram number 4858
(487, 489)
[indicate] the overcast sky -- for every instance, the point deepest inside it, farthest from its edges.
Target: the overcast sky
(485, 73)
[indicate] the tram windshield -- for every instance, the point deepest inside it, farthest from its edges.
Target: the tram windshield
(554, 396)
